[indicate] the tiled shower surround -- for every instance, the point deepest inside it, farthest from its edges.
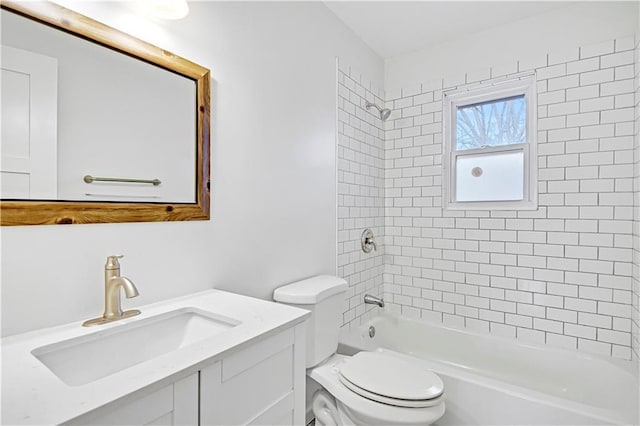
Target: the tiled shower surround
(635, 312)
(562, 275)
(360, 153)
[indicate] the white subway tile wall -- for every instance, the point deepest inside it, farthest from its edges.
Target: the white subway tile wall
(635, 311)
(360, 178)
(566, 275)
(563, 275)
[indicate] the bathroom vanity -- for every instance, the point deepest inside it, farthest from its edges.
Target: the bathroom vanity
(210, 358)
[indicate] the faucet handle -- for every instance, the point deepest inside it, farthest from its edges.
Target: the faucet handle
(367, 241)
(112, 262)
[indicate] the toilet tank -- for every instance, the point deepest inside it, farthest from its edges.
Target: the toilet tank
(324, 297)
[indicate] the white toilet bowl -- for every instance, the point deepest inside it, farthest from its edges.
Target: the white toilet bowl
(376, 389)
(369, 388)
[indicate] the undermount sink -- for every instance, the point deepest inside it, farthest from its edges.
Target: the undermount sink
(81, 360)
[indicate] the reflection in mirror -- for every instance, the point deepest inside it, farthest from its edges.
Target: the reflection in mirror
(99, 120)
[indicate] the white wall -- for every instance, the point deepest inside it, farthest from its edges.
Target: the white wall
(578, 24)
(273, 172)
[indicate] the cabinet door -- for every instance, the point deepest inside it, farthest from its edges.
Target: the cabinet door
(260, 385)
(175, 404)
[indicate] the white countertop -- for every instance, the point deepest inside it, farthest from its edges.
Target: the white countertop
(32, 394)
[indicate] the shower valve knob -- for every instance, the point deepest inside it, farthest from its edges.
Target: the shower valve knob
(367, 241)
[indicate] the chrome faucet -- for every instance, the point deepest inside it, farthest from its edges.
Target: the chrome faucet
(372, 300)
(112, 284)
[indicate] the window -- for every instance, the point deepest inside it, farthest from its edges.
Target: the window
(490, 149)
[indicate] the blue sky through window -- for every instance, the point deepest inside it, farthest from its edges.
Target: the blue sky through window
(493, 123)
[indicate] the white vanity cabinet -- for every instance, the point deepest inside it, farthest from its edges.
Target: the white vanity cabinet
(261, 383)
(230, 360)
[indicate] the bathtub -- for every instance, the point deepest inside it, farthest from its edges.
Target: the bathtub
(496, 381)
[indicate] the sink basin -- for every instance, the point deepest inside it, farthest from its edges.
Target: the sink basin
(81, 360)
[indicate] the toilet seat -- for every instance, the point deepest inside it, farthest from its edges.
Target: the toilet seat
(385, 378)
(408, 403)
(363, 410)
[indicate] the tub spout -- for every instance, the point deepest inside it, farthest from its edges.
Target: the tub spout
(372, 300)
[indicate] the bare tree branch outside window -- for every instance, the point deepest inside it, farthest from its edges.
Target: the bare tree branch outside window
(494, 123)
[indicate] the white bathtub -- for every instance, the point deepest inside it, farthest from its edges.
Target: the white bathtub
(495, 381)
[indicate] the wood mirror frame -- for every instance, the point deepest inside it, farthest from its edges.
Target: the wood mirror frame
(76, 212)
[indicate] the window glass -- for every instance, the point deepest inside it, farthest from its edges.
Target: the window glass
(494, 123)
(490, 177)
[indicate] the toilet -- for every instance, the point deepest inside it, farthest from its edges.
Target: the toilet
(368, 388)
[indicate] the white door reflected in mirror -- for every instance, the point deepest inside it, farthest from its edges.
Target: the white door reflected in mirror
(29, 142)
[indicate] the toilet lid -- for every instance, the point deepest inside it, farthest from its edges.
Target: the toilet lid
(391, 380)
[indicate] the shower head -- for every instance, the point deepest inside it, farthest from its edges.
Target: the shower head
(384, 113)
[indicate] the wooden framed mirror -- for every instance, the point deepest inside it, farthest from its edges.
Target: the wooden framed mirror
(75, 199)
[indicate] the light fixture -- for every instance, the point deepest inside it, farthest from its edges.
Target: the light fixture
(165, 9)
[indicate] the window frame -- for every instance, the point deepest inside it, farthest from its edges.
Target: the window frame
(492, 91)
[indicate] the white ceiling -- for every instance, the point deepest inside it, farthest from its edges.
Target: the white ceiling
(393, 28)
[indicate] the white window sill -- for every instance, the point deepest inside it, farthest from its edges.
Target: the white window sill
(492, 205)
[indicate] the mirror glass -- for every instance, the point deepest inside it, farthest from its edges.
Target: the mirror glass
(117, 117)
(91, 115)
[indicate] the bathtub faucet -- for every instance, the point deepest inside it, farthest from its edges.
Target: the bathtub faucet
(372, 300)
